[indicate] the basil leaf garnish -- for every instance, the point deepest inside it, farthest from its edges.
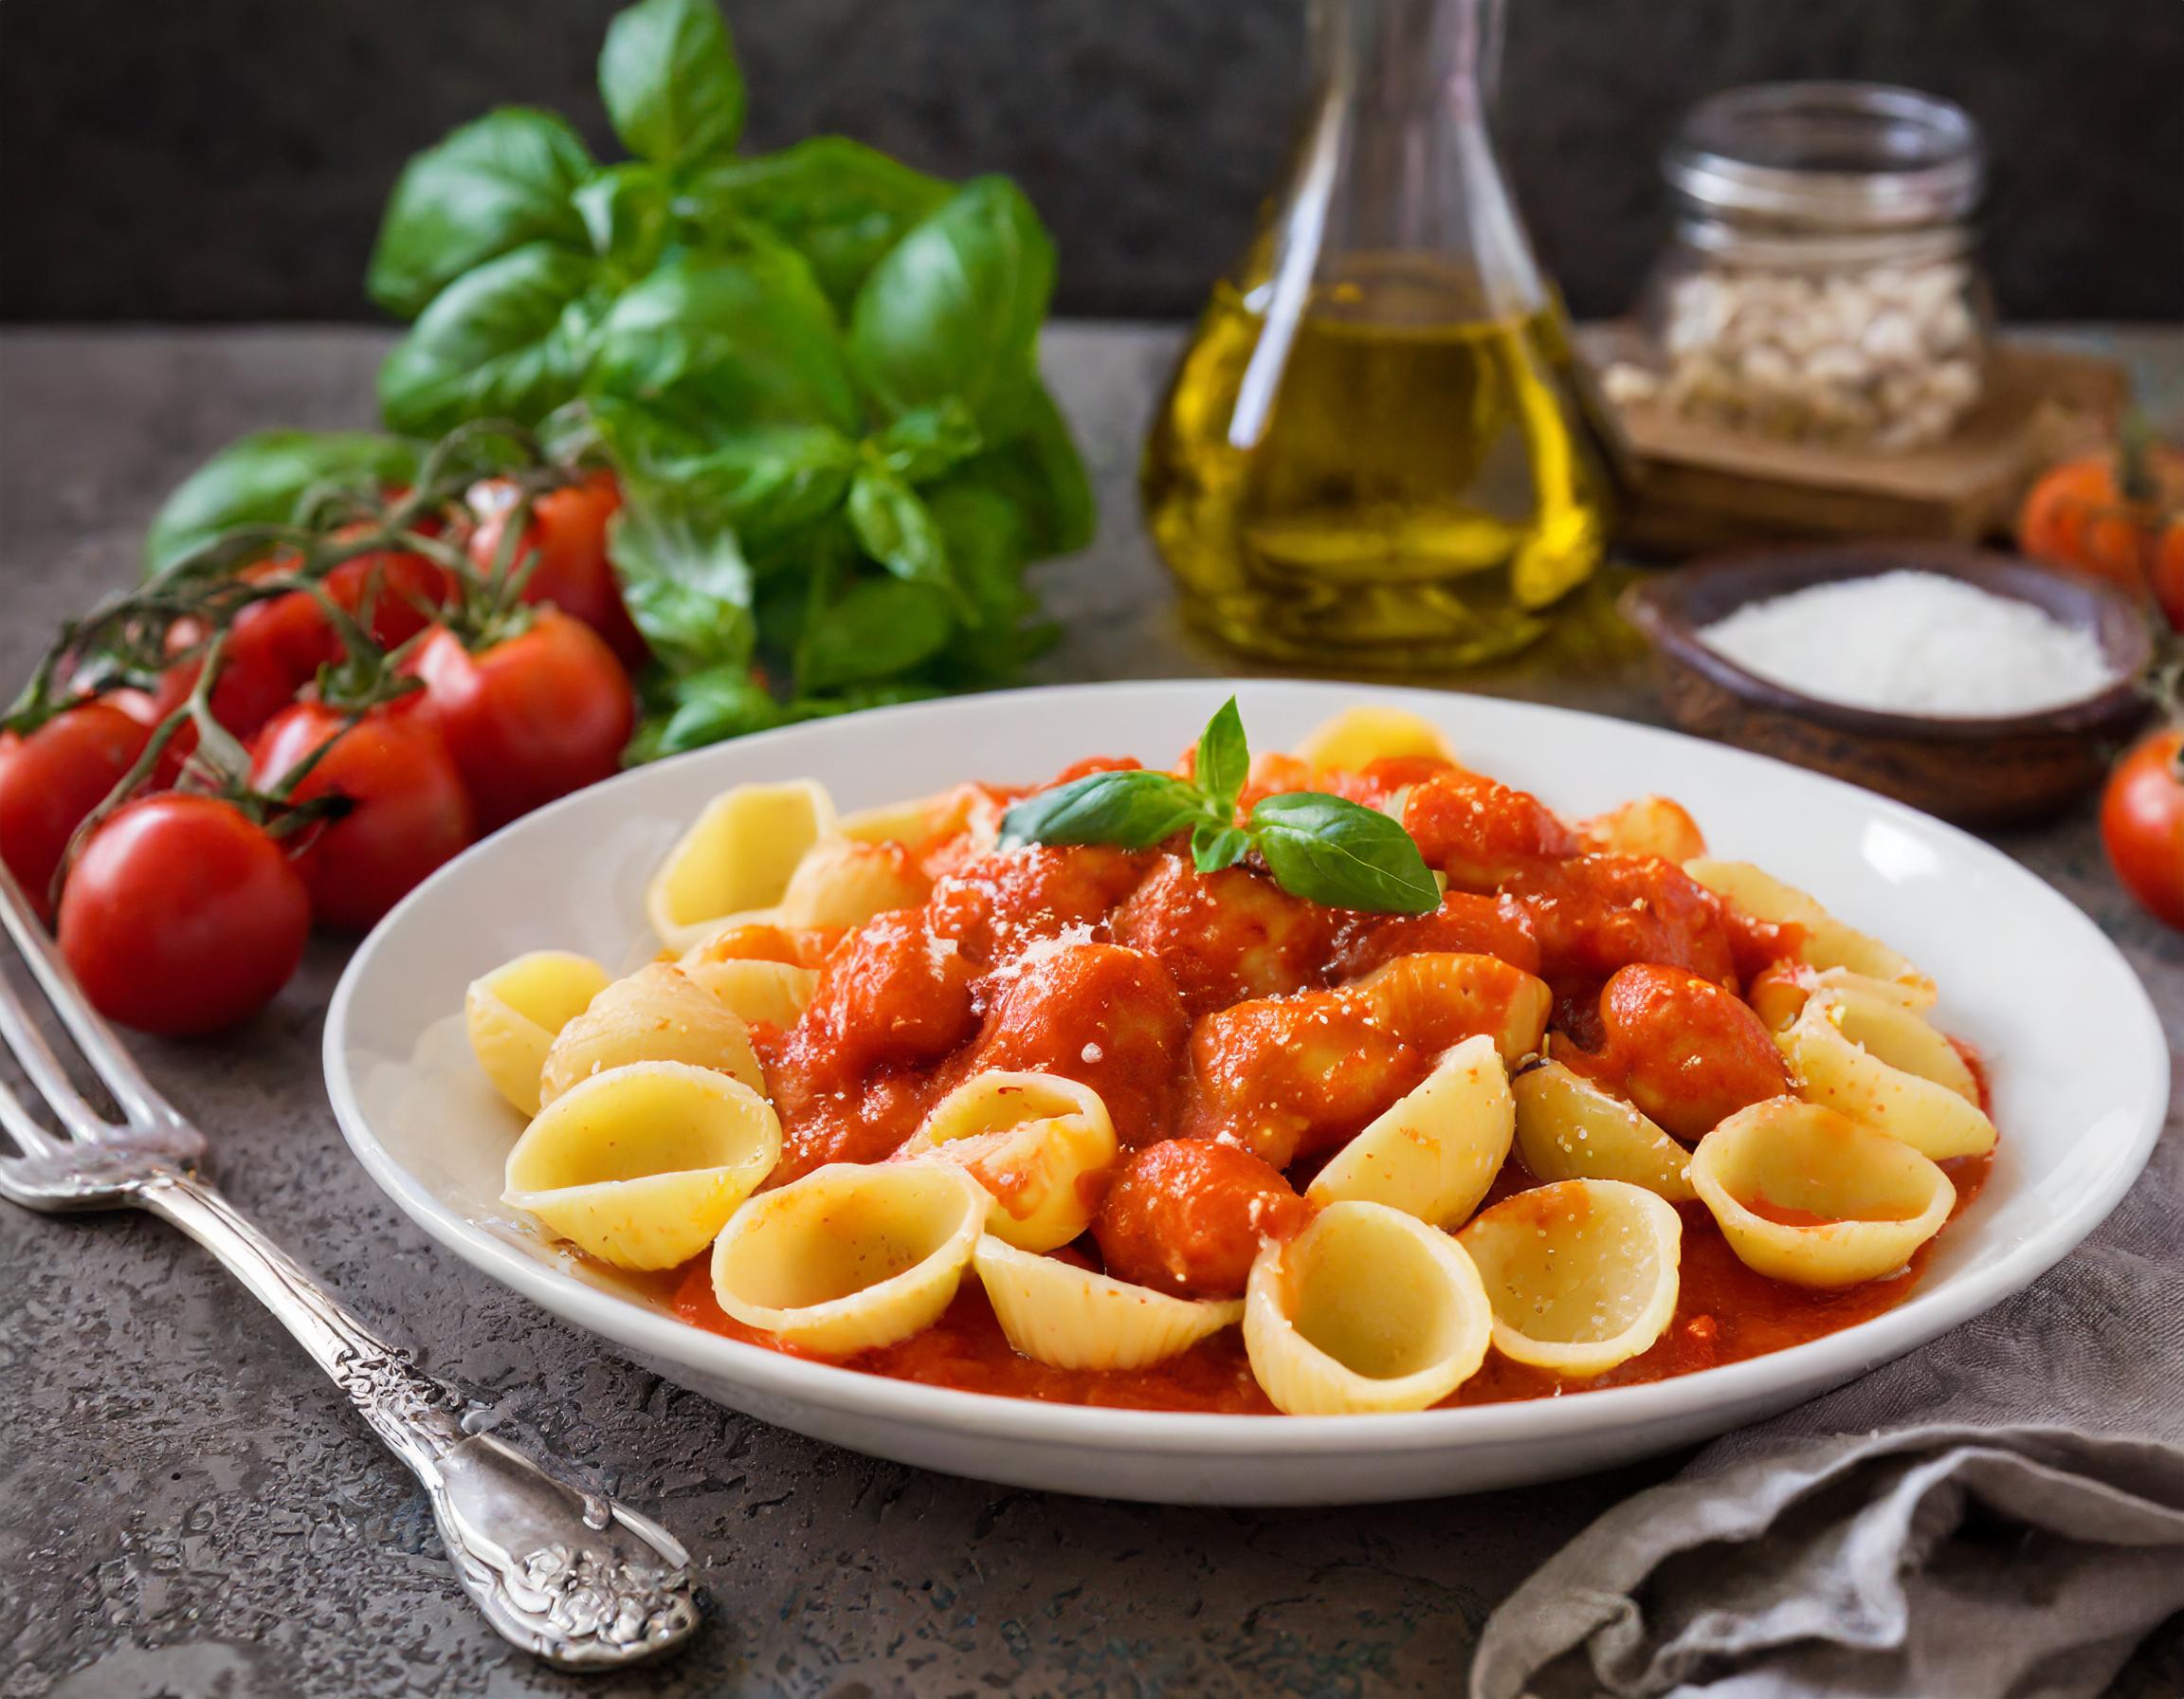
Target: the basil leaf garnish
(1343, 855)
(1132, 810)
(1224, 760)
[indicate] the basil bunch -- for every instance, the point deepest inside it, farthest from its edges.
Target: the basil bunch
(814, 369)
(1325, 848)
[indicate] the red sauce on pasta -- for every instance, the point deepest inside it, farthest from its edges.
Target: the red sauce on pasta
(1219, 1007)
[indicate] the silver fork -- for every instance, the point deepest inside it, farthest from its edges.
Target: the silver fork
(576, 1578)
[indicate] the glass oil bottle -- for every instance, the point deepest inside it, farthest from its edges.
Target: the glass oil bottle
(1377, 453)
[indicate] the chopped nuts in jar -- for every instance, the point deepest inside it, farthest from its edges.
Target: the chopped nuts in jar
(1821, 288)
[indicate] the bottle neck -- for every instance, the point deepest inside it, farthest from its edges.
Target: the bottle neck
(1395, 55)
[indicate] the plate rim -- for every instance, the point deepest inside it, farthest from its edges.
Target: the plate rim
(1816, 1365)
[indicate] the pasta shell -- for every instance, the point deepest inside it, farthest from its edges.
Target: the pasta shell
(1055, 1312)
(1650, 826)
(1779, 995)
(1366, 1309)
(1039, 1143)
(1568, 1129)
(643, 1165)
(1807, 1195)
(752, 989)
(916, 822)
(1356, 738)
(843, 883)
(1434, 1152)
(1583, 1274)
(655, 1015)
(737, 856)
(1436, 999)
(1885, 1067)
(850, 1257)
(1826, 941)
(512, 1014)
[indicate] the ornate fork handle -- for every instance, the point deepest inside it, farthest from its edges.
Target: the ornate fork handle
(576, 1578)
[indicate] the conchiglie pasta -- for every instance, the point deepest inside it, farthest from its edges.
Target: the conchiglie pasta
(841, 882)
(512, 1014)
(1881, 1064)
(1435, 997)
(736, 858)
(1037, 1142)
(1071, 1318)
(655, 1015)
(850, 1257)
(643, 1165)
(1807, 1195)
(1568, 1129)
(1583, 1274)
(1826, 941)
(776, 993)
(1778, 994)
(1367, 1309)
(916, 822)
(1356, 738)
(1433, 1153)
(1650, 826)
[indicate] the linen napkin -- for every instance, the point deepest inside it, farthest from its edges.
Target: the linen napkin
(2000, 1513)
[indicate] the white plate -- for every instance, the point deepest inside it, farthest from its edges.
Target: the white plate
(2080, 1078)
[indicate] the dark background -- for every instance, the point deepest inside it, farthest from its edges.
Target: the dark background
(211, 159)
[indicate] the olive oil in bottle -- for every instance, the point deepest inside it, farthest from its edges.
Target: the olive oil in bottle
(1377, 454)
(1426, 486)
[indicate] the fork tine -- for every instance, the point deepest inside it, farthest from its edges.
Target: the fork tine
(31, 1138)
(141, 1104)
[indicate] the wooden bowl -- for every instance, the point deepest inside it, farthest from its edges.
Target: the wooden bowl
(1985, 771)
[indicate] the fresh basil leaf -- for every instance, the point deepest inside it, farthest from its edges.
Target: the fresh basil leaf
(745, 338)
(927, 441)
(259, 478)
(984, 534)
(504, 341)
(771, 480)
(838, 203)
(1132, 809)
(954, 308)
(671, 83)
(684, 580)
(1213, 848)
(875, 628)
(724, 701)
(626, 209)
(1343, 855)
(1224, 762)
(491, 187)
(1041, 473)
(896, 529)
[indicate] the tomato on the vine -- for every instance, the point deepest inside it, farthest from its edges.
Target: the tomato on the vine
(567, 535)
(529, 718)
(51, 780)
(2142, 824)
(405, 593)
(182, 916)
(409, 811)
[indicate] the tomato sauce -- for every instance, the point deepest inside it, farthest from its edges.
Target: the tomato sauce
(1218, 1007)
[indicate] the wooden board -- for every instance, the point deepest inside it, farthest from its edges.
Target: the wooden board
(1696, 486)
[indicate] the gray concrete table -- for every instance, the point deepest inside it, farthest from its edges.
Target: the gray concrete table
(189, 1509)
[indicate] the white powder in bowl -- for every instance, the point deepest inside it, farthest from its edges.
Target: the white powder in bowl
(1914, 643)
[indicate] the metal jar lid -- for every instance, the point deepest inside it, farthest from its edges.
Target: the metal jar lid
(1829, 155)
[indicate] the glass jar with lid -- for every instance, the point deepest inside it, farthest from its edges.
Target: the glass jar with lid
(1821, 285)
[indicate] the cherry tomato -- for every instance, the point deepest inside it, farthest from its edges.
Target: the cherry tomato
(2142, 824)
(50, 780)
(182, 916)
(568, 535)
(274, 648)
(405, 593)
(411, 812)
(531, 717)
